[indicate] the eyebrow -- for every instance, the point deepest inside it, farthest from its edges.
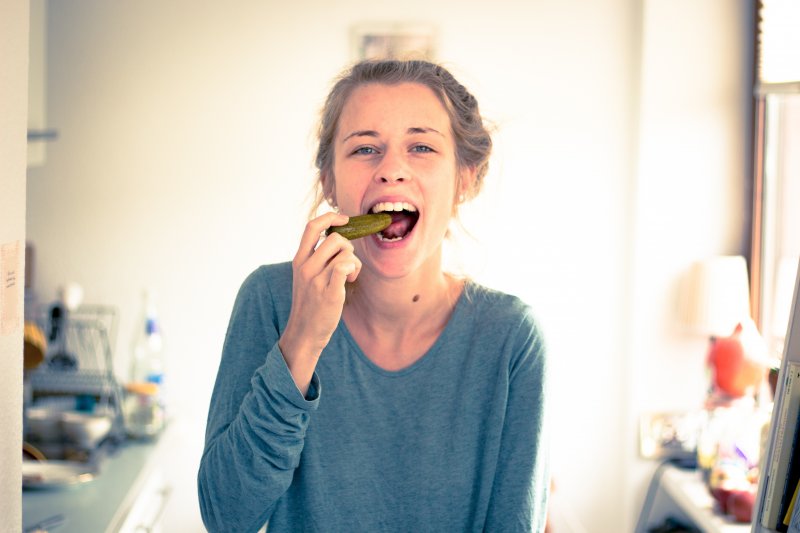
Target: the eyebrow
(416, 130)
(423, 130)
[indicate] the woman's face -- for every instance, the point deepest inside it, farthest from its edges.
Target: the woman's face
(394, 151)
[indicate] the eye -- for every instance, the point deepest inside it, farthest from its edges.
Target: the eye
(421, 148)
(365, 150)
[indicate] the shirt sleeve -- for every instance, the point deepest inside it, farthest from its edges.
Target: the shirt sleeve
(256, 422)
(521, 486)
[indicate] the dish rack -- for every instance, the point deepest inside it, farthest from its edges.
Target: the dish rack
(78, 362)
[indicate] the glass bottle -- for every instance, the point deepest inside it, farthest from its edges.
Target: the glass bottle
(144, 407)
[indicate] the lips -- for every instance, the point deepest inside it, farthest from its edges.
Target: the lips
(404, 218)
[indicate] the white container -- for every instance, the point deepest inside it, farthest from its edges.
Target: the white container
(85, 430)
(144, 406)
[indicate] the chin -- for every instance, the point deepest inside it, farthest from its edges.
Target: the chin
(391, 269)
(400, 263)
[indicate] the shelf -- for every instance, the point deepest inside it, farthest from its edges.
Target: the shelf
(42, 135)
(791, 353)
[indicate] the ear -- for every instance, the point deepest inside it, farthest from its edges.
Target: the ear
(466, 184)
(328, 187)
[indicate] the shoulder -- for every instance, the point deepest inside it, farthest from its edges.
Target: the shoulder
(497, 308)
(507, 319)
(267, 279)
(268, 287)
(276, 274)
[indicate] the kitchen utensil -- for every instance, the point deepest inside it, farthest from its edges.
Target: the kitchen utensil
(43, 424)
(45, 525)
(35, 346)
(142, 410)
(61, 360)
(86, 430)
(31, 452)
(52, 424)
(54, 474)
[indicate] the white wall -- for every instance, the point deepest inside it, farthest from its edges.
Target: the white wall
(691, 195)
(184, 160)
(13, 105)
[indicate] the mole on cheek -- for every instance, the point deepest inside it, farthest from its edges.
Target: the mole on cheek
(415, 298)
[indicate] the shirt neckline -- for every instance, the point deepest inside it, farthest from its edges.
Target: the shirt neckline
(455, 318)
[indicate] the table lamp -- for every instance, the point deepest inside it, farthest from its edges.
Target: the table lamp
(717, 306)
(717, 296)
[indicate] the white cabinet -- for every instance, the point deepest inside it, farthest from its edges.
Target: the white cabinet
(142, 511)
(146, 513)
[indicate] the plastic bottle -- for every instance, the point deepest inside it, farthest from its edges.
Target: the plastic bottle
(144, 407)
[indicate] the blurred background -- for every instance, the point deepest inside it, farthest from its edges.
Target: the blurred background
(184, 159)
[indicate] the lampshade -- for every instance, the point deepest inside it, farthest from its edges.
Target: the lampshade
(716, 296)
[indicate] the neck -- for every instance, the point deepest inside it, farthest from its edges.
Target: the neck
(398, 310)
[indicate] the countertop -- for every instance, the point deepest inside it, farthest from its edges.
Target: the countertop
(101, 504)
(681, 493)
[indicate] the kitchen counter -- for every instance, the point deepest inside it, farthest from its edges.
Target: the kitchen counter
(127, 476)
(681, 493)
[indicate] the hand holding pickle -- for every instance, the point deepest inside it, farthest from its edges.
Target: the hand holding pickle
(318, 292)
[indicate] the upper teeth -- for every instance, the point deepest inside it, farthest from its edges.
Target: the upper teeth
(381, 207)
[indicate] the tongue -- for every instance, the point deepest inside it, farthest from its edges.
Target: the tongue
(401, 223)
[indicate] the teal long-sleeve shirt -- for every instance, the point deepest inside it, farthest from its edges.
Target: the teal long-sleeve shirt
(454, 442)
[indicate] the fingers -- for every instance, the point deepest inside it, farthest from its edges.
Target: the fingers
(341, 272)
(331, 262)
(318, 290)
(314, 229)
(334, 248)
(342, 264)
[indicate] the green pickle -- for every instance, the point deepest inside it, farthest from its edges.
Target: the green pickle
(362, 225)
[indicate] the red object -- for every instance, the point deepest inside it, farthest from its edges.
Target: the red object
(723, 497)
(741, 503)
(734, 372)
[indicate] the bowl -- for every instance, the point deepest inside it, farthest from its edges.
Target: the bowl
(43, 424)
(85, 429)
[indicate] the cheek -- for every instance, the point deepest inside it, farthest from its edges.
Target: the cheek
(349, 193)
(444, 200)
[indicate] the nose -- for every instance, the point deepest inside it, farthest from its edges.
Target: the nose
(393, 168)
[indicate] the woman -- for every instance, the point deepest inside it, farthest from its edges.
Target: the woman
(361, 387)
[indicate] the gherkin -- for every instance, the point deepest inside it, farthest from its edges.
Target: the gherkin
(362, 225)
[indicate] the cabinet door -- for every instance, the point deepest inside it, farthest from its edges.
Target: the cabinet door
(147, 511)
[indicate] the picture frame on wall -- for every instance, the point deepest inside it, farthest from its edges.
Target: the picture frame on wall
(394, 40)
(669, 435)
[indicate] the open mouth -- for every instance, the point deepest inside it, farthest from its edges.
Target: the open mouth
(404, 217)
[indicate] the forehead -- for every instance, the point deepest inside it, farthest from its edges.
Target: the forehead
(381, 107)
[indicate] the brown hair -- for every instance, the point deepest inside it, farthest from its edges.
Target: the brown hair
(472, 139)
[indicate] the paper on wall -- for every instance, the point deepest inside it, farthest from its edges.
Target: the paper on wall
(10, 278)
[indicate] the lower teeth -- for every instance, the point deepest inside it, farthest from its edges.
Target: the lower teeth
(384, 239)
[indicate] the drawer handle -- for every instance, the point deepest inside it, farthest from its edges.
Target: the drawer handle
(163, 494)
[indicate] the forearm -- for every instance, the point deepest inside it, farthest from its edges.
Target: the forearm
(300, 357)
(249, 463)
